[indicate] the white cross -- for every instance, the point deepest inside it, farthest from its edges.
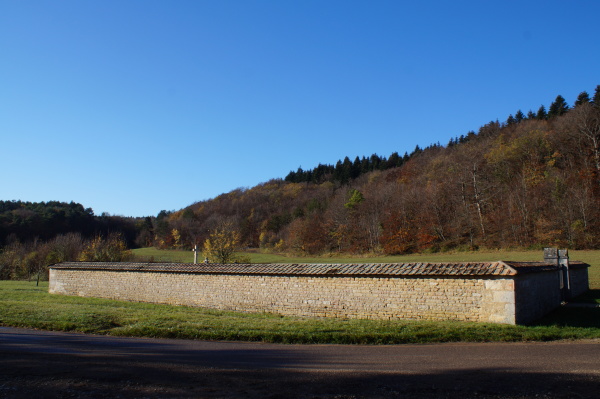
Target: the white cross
(195, 254)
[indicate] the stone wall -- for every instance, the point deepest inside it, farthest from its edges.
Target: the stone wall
(536, 294)
(343, 297)
(499, 298)
(579, 279)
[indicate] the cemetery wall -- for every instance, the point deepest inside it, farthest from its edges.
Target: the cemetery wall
(486, 292)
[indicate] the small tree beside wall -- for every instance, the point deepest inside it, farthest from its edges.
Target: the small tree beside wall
(221, 245)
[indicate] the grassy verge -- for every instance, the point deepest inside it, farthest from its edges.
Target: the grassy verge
(23, 304)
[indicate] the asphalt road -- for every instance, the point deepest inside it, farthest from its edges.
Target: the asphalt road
(40, 364)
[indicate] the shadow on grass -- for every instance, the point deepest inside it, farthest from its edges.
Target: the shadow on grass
(578, 313)
(592, 296)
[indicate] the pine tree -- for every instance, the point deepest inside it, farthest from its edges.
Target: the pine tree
(530, 115)
(337, 172)
(343, 171)
(541, 114)
(596, 99)
(365, 165)
(375, 162)
(355, 197)
(558, 107)
(582, 98)
(301, 175)
(355, 172)
(416, 151)
(394, 160)
(519, 116)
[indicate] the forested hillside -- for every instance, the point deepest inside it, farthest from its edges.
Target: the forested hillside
(27, 221)
(532, 180)
(529, 181)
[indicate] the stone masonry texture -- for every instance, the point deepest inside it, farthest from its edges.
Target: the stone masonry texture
(500, 293)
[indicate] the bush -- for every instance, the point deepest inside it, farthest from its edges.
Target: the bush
(111, 249)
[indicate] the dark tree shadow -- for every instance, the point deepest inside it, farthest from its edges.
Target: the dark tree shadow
(81, 378)
(80, 366)
(579, 312)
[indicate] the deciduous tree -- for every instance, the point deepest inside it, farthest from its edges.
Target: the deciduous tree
(221, 245)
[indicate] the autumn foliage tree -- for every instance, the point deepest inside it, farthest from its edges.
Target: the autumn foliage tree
(24, 260)
(222, 244)
(106, 249)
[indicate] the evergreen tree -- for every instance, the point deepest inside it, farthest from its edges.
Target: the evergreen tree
(596, 99)
(355, 197)
(582, 98)
(365, 165)
(394, 160)
(530, 115)
(375, 162)
(558, 107)
(308, 176)
(290, 177)
(338, 171)
(511, 120)
(416, 151)
(320, 173)
(541, 114)
(343, 171)
(519, 116)
(356, 166)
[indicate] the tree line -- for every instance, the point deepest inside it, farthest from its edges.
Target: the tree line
(347, 170)
(22, 221)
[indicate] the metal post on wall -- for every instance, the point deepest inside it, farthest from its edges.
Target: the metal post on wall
(560, 257)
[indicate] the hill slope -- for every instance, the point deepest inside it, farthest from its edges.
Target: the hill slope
(530, 181)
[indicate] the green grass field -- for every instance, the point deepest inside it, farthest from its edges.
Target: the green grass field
(26, 305)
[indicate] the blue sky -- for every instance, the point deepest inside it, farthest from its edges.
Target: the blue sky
(131, 107)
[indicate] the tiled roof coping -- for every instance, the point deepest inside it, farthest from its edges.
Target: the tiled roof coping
(498, 268)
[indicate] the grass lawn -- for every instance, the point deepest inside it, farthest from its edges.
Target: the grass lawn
(23, 304)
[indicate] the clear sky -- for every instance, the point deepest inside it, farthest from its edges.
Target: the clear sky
(131, 107)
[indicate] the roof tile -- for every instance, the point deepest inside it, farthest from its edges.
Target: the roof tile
(498, 268)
